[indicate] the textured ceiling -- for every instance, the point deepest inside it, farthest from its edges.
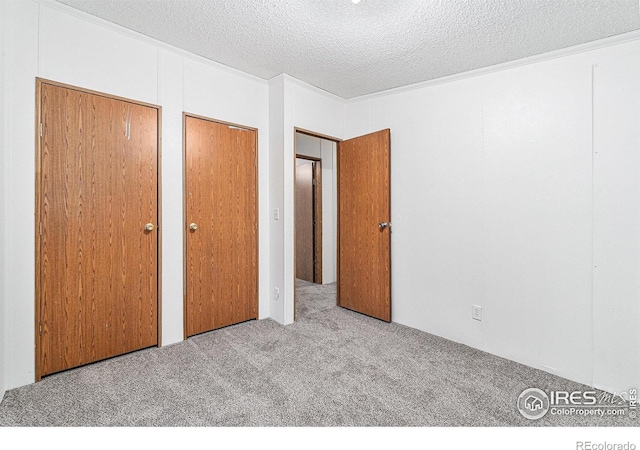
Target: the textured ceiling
(351, 50)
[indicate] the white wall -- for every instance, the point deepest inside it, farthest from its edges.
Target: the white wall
(277, 98)
(325, 150)
(293, 104)
(54, 42)
(329, 152)
(171, 74)
(492, 205)
(616, 194)
(3, 129)
(19, 150)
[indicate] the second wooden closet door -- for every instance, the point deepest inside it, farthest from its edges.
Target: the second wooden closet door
(221, 225)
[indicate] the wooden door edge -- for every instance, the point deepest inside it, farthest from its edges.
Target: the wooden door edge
(185, 115)
(317, 226)
(388, 132)
(159, 227)
(257, 224)
(38, 244)
(337, 184)
(185, 253)
(98, 93)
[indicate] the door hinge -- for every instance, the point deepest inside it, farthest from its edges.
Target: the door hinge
(40, 129)
(40, 228)
(314, 182)
(40, 328)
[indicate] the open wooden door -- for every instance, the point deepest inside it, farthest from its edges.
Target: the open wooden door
(364, 216)
(97, 243)
(221, 221)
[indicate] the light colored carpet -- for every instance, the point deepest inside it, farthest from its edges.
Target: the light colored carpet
(333, 367)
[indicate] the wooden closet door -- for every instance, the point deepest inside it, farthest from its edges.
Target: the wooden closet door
(221, 222)
(98, 190)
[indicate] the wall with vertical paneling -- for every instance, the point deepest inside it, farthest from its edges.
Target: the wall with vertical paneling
(498, 196)
(3, 199)
(51, 41)
(493, 205)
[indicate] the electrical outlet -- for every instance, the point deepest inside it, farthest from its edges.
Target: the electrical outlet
(476, 312)
(277, 293)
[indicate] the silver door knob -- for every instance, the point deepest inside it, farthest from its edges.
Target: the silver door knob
(383, 225)
(148, 227)
(193, 227)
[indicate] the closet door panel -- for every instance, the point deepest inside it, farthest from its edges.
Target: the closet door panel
(221, 225)
(97, 191)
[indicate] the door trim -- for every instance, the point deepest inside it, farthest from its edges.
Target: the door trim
(38, 204)
(295, 155)
(185, 225)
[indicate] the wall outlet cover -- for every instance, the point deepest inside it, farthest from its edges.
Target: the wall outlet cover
(476, 312)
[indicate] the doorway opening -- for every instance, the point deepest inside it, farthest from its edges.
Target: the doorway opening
(315, 221)
(357, 225)
(309, 219)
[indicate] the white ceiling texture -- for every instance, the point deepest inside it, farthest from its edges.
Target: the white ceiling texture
(354, 49)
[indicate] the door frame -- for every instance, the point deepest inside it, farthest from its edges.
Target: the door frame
(38, 210)
(185, 225)
(336, 169)
(317, 216)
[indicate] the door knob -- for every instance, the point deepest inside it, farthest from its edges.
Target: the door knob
(383, 225)
(148, 227)
(193, 227)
